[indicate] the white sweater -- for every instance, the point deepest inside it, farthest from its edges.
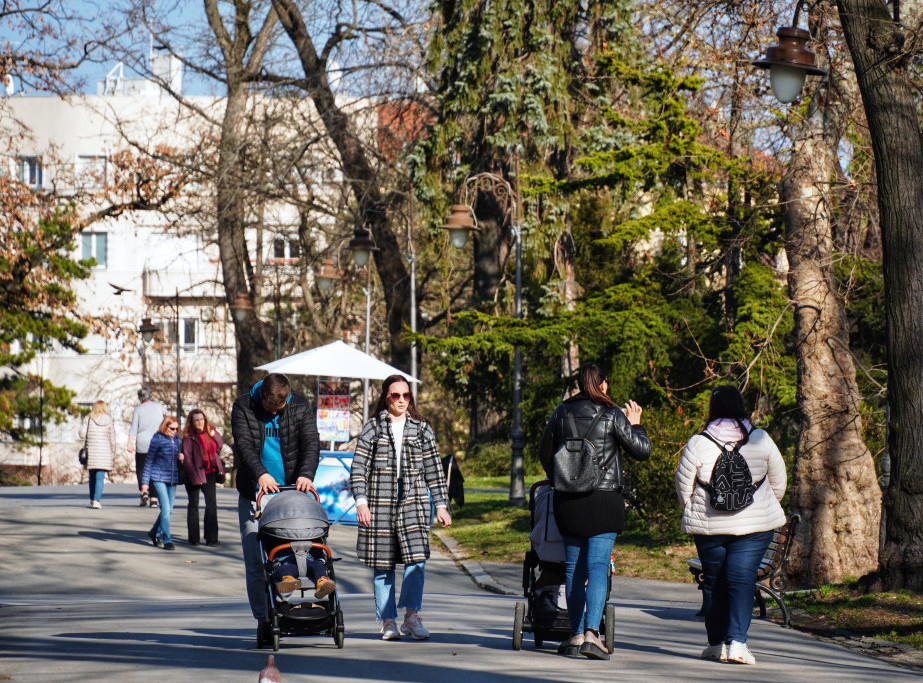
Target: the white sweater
(764, 514)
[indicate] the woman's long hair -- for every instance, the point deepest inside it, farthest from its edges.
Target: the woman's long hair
(589, 380)
(726, 403)
(382, 403)
(99, 408)
(190, 430)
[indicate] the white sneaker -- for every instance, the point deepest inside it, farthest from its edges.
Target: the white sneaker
(95, 504)
(740, 653)
(717, 653)
(389, 630)
(414, 628)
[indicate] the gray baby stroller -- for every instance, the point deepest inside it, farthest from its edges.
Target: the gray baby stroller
(293, 529)
(544, 614)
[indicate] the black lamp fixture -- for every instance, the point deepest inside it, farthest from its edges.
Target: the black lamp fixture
(459, 223)
(361, 245)
(242, 307)
(147, 330)
(790, 61)
(327, 275)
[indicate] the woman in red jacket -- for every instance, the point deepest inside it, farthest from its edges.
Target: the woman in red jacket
(202, 446)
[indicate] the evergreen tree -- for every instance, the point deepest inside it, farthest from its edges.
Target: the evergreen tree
(36, 307)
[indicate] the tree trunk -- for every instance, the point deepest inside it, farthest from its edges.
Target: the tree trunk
(363, 179)
(835, 487)
(876, 44)
(253, 345)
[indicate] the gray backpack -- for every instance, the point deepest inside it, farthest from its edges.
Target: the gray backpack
(576, 464)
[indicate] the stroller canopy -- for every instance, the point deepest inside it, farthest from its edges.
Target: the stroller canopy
(294, 515)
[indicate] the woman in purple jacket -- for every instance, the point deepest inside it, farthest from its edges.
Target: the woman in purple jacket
(202, 446)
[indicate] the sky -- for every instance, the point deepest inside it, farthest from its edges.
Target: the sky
(90, 20)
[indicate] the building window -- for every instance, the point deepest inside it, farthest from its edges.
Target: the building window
(93, 245)
(30, 171)
(188, 333)
(90, 172)
(286, 250)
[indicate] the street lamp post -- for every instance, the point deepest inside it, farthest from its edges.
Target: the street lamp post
(461, 221)
(362, 246)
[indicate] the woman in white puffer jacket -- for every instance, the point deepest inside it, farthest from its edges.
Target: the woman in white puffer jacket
(730, 544)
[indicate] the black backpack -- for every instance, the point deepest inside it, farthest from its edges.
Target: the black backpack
(731, 486)
(576, 466)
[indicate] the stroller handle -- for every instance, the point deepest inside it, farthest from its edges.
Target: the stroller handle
(259, 497)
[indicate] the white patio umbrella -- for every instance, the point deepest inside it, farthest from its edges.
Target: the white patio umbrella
(334, 360)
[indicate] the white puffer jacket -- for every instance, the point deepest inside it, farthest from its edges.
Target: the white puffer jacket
(764, 514)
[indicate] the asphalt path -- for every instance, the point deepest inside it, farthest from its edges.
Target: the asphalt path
(85, 597)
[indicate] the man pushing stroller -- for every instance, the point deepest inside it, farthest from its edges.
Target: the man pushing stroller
(275, 442)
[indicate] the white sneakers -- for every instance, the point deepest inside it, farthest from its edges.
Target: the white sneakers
(717, 653)
(734, 652)
(95, 504)
(740, 653)
(389, 630)
(414, 628)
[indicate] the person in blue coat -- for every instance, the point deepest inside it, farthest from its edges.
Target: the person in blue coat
(161, 471)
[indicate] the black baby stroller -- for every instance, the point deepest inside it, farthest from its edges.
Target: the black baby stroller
(291, 524)
(544, 614)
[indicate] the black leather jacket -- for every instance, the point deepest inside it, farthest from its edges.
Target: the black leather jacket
(612, 436)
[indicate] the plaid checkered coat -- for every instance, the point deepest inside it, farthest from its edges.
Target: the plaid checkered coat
(398, 533)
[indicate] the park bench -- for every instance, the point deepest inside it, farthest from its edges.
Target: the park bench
(770, 578)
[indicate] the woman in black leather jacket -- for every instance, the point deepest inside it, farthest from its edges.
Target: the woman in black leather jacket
(590, 519)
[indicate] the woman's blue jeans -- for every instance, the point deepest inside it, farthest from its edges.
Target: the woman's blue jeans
(167, 495)
(729, 566)
(97, 479)
(411, 590)
(587, 578)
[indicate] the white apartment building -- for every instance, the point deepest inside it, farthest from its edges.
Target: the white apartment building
(145, 268)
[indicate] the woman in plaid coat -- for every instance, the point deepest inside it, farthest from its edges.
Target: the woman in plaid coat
(396, 467)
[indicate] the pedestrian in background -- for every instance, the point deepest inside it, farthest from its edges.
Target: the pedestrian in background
(145, 421)
(730, 544)
(99, 432)
(395, 469)
(202, 445)
(590, 519)
(275, 443)
(161, 471)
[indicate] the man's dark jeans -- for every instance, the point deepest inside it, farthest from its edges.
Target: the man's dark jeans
(729, 566)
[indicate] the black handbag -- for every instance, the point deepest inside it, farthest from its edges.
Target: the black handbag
(82, 453)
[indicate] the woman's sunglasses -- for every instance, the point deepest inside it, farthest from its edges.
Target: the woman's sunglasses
(394, 396)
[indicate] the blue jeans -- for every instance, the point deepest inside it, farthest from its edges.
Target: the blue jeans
(253, 558)
(586, 578)
(411, 590)
(97, 478)
(167, 495)
(729, 566)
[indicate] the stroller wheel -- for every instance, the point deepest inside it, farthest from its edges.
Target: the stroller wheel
(339, 631)
(518, 621)
(609, 626)
(275, 642)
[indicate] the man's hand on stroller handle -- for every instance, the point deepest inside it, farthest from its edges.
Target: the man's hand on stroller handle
(268, 484)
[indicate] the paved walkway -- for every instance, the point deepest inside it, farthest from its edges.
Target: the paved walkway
(85, 597)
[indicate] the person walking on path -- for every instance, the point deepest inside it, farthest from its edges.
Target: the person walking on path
(161, 471)
(396, 467)
(275, 443)
(590, 518)
(145, 421)
(99, 432)
(730, 544)
(202, 445)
